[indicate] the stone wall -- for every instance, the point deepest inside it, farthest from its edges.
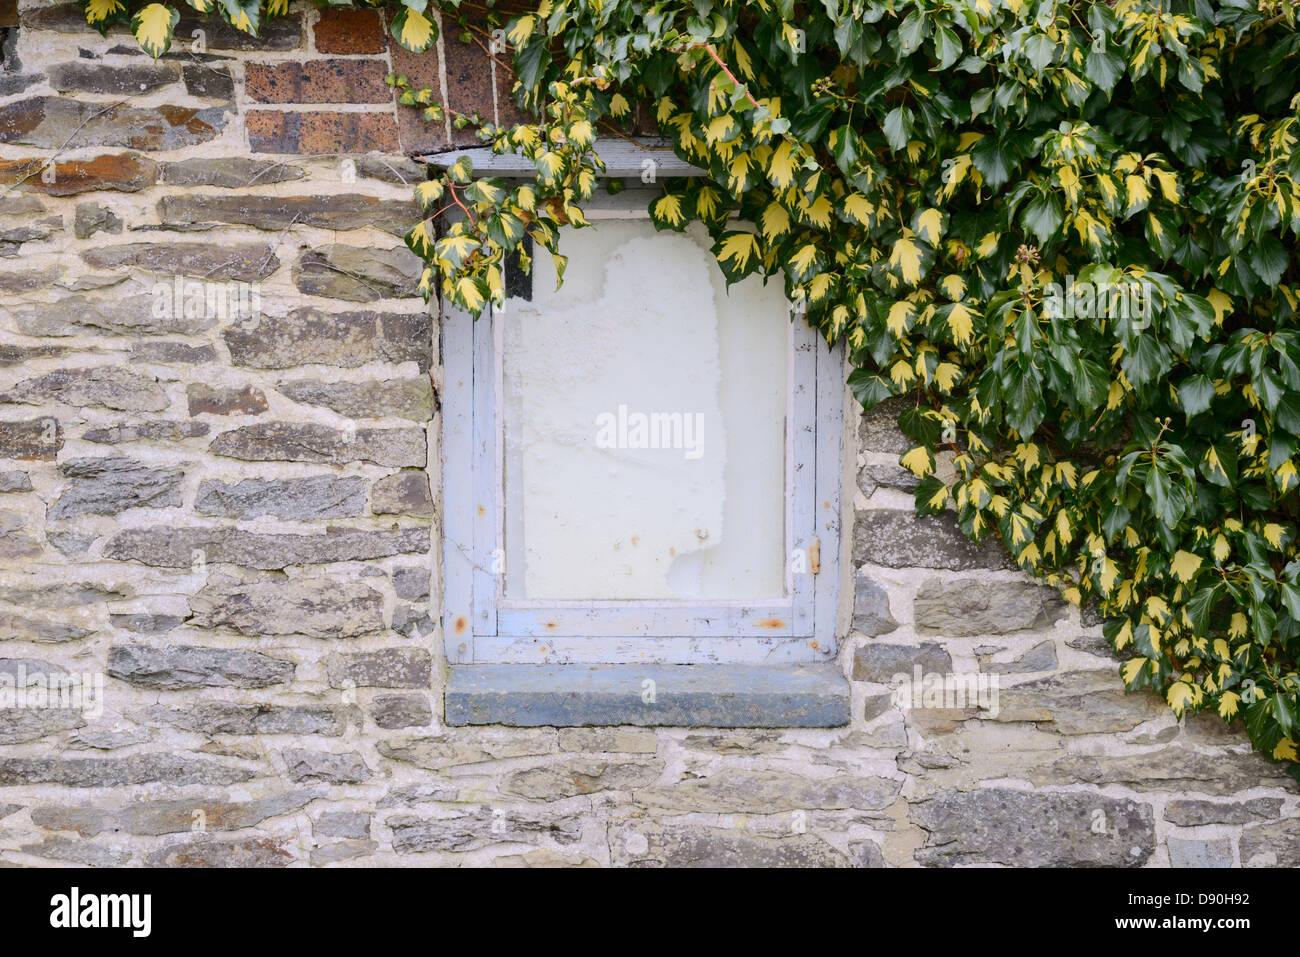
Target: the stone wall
(229, 521)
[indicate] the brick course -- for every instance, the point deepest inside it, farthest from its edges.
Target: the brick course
(318, 81)
(315, 132)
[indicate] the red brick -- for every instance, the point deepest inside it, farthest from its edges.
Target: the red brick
(349, 31)
(273, 131)
(318, 81)
(469, 81)
(418, 135)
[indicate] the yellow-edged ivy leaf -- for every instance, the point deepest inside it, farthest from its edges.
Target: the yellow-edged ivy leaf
(1184, 565)
(98, 12)
(429, 192)
(413, 31)
(738, 254)
(906, 257)
(520, 29)
(152, 27)
(775, 221)
(666, 212)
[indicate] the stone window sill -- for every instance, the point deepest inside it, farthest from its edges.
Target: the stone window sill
(713, 696)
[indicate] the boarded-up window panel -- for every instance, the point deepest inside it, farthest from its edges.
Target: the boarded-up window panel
(645, 417)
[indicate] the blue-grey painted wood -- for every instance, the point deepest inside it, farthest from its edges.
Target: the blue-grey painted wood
(457, 450)
(635, 618)
(665, 649)
(830, 471)
(803, 466)
(487, 478)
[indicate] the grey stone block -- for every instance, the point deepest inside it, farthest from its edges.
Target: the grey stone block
(118, 772)
(109, 387)
(1041, 657)
(170, 547)
(478, 827)
(317, 496)
(318, 608)
(749, 696)
(883, 663)
(183, 666)
(112, 484)
(1033, 829)
(899, 538)
(871, 614)
(326, 766)
(15, 482)
(1191, 813)
(289, 442)
(1185, 853)
(689, 845)
(382, 668)
(1271, 845)
(402, 398)
(971, 606)
(251, 852)
(353, 825)
(392, 711)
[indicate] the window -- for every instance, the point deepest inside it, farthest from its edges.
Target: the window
(641, 475)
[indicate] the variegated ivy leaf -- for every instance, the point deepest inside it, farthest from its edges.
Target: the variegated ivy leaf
(244, 16)
(738, 254)
(152, 28)
(413, 30)
(99, 13)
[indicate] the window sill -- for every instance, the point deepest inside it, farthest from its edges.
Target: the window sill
(712, 696)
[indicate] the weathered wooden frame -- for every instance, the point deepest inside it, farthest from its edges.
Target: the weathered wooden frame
(482, 626)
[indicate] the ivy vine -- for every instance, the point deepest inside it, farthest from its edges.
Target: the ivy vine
(1063, 232)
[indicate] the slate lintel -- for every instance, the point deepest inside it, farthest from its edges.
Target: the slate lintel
(711, 696)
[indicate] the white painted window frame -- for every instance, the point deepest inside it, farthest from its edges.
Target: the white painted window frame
(481, 625)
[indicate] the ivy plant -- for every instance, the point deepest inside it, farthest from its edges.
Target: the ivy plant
(1059, 235)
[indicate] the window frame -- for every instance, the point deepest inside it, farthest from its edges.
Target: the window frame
(482, 626)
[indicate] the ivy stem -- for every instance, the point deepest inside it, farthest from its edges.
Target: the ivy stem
(468, 215)
(725, 69)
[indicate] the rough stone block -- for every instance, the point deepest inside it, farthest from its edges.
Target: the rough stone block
(683, 695)
(177, 667)
(898, 538)
(1033, 829)
(317, 497)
